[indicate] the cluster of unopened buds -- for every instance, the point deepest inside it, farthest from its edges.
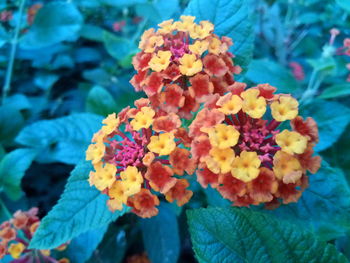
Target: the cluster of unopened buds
(16, 234)
(197, 120)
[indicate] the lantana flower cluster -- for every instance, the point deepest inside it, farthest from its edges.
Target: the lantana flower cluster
(16, 234)
(139, 152)
(234, 142)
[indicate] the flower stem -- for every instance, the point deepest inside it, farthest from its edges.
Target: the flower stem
(14, 42)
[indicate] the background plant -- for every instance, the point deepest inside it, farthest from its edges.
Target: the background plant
(66, 65)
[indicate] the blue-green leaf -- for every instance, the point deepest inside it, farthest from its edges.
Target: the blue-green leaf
(158, 10)
(345, 4)
(54, 22)
(81, 208)
(324, 207)
(335, 91)
(61, 140)
(231, 18)
(11, 122)
(161, 236)
(100, 101)
(12, 169)
(332, 119)
(267, 71)
(244, 236)
(82, 247)
(118, 47)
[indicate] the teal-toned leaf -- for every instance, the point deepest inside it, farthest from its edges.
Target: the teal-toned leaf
(113, 246)
(267, 71)
(324, 206)
(54, 22)
(18, 101)
(11, 122)
(12, 169)
(117, 47)
(158, 10)
(231, 18)
(81, 208)
(61, 140)
(122, 3)
(325, 65)
(92, 32)
(81, 248)
(161, 236)
(4, 36)
(45, 81)
(345, 4)
(332, 119)
(100, 101)
(242, 235)
(214, 198)
(335, 91)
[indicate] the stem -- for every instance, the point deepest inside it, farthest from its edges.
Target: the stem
(14, 42)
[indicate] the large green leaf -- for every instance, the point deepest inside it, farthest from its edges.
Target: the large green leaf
(267, 71)
(332, 119)
(82, 247)
(100, 101)
(54, 22)
(335, 91)
(81, 208)
(161, 236)
(231, 18)
(158, 10)
(242, 235)
(345, 4)
(324, 207)
(12, 169)
(118, 47)
(61, 140)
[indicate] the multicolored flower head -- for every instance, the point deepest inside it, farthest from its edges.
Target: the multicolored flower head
(16, 234)
(182, 64)
(244, 154)
(138, 153)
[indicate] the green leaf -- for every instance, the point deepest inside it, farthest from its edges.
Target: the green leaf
(267, 71)
(81, 248)
(231, 18)
(12, 169)
(332, 119)
(61, 140)
(158, 10)
(122, 3)
(92, 32)
(161, 236)
(242, 235)
(4, 36)
(324, 207)
(335, 91)
(345, 4)
(100, 101)
(54, 22)
(81, 208)
(118, 47)
(326, 65)
(11, 122)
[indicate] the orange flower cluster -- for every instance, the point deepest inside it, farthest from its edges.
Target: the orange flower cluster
(138, 258)
(137, 152)
(233, 141)
(246, 157)
(181, 64)
(16, 234)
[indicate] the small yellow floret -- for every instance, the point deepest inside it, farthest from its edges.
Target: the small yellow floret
(246, 166)
(111, 123)
(190, 65)
(220, 160)
(201, 31)
(186, 25)
(286, 165)
(16, 250)
(233, 106)
(145, 37)
(95, 152)
(286, 108)
(163, 144)
(215, 46)
(166, 26)
(153, 42)
(160, 61)
(291, 142)
(118, 192)
(114, 204)
(143, 119)
(222, 136)
(253, 104)
(103, 177)
(132, 180)
(199, 47)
